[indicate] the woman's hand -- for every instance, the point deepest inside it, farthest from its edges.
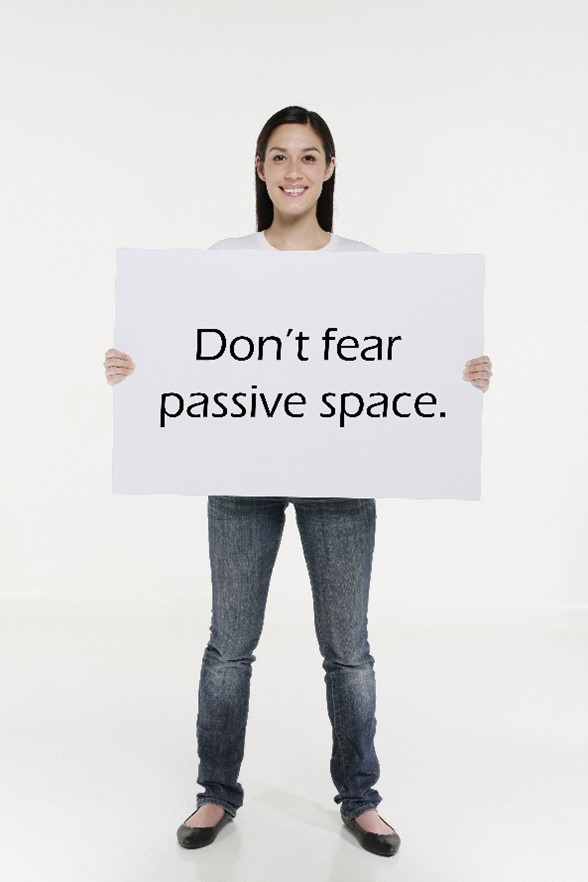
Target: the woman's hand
(117, 366)
(478, 371)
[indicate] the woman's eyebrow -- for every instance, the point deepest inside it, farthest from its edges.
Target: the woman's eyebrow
(305, 150)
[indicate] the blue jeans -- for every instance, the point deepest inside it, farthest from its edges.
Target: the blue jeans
(338, 542)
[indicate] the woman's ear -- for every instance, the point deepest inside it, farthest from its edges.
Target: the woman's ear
(330, 169)
(259, 167)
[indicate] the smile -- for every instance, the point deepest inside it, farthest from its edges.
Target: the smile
(293, 191)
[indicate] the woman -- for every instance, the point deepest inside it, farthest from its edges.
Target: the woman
(295, 179)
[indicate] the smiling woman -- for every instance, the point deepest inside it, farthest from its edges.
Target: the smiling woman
(294, 186)
(296, 162)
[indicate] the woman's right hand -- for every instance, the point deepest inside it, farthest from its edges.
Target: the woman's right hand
(117, 366)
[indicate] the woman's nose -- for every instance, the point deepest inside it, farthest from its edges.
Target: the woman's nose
(292, 171)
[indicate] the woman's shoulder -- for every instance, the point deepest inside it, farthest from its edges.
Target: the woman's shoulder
(342, 244)
(249, 243)
(257, 241)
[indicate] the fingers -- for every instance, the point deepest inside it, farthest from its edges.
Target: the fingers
(114, 361)
(480, 382)
(117, 366)
(111, 378)
(478, 368)
(478, 371)
(477, 375)
(116, 353)
(483, 385)
(479, 364)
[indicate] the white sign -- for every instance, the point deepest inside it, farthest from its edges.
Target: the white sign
(298, 373)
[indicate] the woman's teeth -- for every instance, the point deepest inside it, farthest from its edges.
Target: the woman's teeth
(293, 191)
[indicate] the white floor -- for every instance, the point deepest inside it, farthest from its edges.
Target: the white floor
(482, 738)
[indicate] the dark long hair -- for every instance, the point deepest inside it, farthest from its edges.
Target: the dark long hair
(263, 204)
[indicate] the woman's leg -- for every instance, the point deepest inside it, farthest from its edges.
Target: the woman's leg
(338, 541)
(244, 537)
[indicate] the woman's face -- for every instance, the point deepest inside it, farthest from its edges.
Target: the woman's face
(294, 169)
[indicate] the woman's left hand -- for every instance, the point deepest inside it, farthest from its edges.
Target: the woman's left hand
(478, 371)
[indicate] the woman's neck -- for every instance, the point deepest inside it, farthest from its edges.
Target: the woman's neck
(302, 234)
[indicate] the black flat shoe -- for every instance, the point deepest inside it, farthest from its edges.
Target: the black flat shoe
(385, 844)
(197, 837)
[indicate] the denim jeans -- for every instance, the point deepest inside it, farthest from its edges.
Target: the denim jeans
(338, 542)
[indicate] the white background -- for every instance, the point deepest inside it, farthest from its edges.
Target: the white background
(459, 127)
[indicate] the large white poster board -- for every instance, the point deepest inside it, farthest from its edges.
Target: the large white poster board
(298, 373)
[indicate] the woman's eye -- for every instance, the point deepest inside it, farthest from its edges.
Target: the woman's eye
(281, 156)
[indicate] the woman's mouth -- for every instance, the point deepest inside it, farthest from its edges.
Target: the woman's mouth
(293, 191)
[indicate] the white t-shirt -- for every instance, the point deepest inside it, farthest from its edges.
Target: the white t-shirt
(257, 241)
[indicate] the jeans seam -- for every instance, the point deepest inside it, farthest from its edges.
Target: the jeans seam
(312, 590)
(330, 675)
(344, 764)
